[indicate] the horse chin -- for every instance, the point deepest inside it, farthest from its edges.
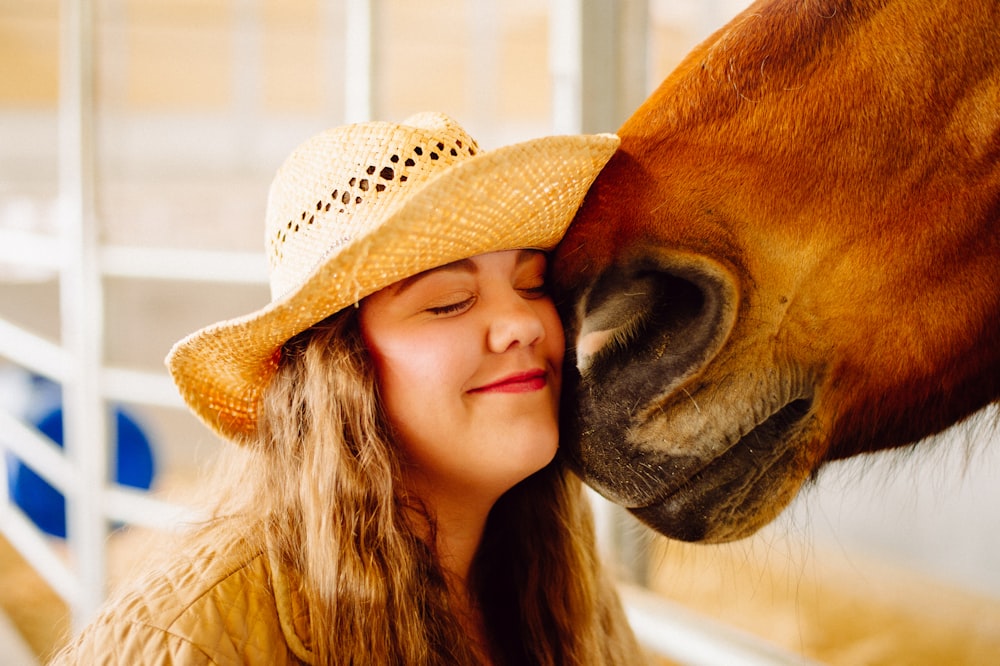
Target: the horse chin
(718, 505)
(724, 498)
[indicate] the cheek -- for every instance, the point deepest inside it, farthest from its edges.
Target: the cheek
(412, 373)
(396, 381)
(398, 356)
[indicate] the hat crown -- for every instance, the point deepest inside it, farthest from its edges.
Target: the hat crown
(338, 186)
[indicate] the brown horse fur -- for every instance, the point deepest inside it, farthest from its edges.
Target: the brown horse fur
(793, 258)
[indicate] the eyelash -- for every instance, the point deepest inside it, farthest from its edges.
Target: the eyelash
(541, 291)
(451, 308)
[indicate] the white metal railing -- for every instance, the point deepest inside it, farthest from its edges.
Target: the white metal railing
(580, 40)
(81, 303)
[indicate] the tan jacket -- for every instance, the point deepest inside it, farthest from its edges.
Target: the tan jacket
(228, 607)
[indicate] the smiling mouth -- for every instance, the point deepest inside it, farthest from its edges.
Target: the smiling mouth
(522, 382)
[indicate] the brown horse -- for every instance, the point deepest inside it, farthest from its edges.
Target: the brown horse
(793, 258)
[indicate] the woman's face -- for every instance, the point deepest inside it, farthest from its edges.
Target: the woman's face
(468, 361)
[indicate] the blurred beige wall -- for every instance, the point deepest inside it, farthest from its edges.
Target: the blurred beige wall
(180, 56)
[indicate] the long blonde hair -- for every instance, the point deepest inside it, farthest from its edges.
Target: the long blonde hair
(321, 490)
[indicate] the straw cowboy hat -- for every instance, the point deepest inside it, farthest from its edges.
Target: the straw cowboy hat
(359, 207)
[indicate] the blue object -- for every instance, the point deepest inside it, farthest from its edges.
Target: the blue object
(45, 505)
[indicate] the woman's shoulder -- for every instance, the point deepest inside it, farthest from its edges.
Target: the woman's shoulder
(212, 605)
(209, 580)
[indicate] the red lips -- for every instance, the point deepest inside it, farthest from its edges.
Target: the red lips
(519, 382)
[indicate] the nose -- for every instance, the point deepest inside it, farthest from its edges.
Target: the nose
(514, 321)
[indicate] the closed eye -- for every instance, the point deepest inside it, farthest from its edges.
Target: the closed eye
(534, 293)
(452, 308)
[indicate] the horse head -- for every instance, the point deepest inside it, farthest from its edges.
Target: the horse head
(793, 258)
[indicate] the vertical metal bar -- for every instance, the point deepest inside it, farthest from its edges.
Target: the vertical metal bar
(81, 306)
(566, 65)
(599, 70)
(332, 36)
(598, 53)
(360, 60)
(485, 33)
(247, 78)
(629, 51)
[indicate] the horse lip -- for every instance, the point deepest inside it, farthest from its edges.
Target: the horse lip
(770, 431)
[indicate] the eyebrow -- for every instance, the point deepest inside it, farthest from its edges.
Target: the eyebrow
(461, 266)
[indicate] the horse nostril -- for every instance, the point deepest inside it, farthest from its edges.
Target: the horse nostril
(671, 316)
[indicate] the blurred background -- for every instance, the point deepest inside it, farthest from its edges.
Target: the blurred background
(137, 142)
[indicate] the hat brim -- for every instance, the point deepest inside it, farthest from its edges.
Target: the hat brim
(533, 192)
